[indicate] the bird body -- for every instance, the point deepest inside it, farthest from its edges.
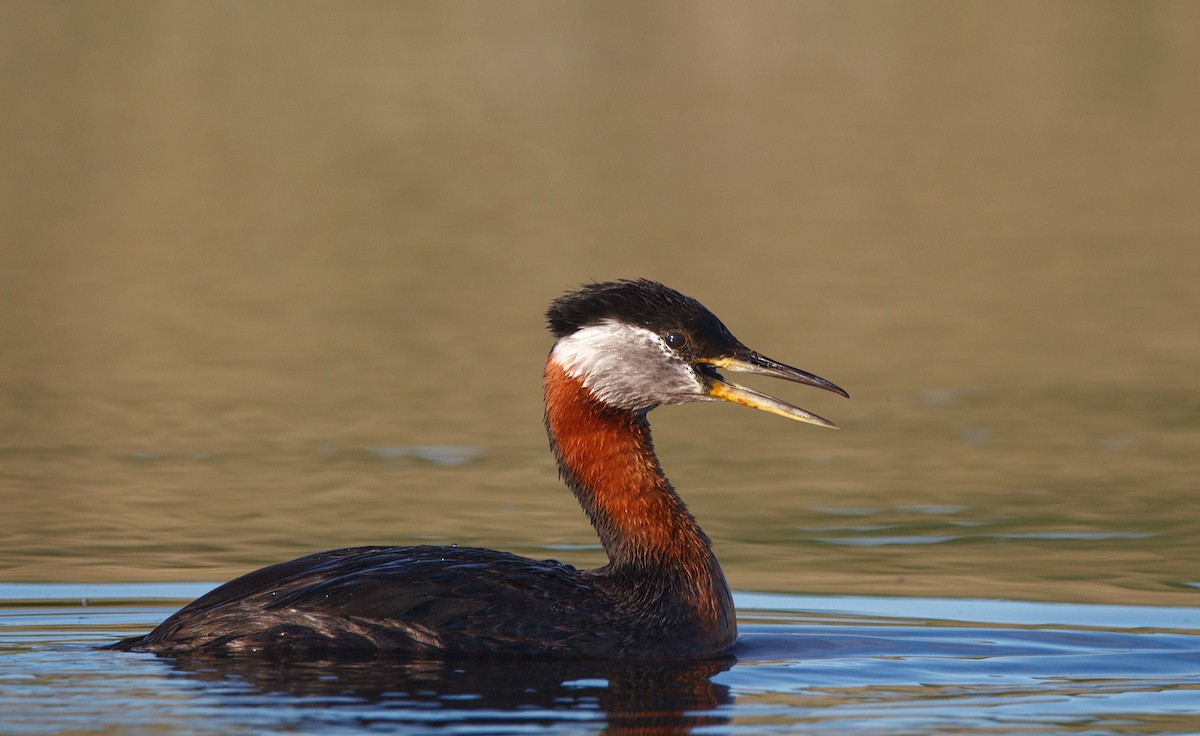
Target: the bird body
(622, 348)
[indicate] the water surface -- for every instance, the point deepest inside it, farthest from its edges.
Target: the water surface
(878, 664)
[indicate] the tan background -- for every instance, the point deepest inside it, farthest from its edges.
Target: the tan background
(256, 258)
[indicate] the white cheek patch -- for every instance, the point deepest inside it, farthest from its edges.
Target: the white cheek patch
(627, 366)
(600, 349)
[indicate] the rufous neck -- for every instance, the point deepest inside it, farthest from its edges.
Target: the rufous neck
(606, 456)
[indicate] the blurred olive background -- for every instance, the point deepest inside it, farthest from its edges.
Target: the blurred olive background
(272, 277)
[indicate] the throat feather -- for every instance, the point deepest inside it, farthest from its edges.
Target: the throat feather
(606, 455)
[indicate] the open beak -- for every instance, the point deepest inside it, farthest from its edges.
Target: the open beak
(752, 362)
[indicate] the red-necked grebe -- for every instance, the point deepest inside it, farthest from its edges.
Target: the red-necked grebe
(621, 349)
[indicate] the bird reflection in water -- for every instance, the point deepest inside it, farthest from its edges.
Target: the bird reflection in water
(627, 697)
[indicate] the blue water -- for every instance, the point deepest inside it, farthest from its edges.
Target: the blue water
(867, 664)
